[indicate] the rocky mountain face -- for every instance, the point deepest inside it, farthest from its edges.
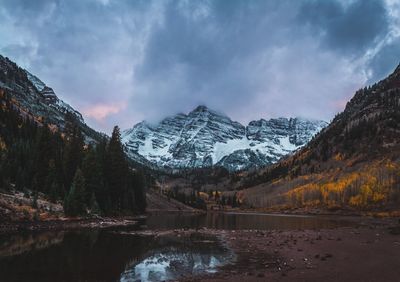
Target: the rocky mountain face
(205, 138)
(36, 100)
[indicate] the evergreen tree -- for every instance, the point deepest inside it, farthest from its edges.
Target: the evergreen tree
(73, 155)
(94, 206)
(117, 170)
(35, 200)
(93, 175)
(137, 187)
(102, 191)
(51, 178)
(74, 203)
(41, 162)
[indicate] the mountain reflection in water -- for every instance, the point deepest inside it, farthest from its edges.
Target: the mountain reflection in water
(172, 264)
(176, 255)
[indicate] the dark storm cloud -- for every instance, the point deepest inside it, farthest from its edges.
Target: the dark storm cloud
(211, 52)
(350, 27)
(124, 61)
(388, 56)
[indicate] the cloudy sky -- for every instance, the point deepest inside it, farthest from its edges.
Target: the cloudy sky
(119, 62)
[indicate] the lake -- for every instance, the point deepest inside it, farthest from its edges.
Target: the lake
(115, 255)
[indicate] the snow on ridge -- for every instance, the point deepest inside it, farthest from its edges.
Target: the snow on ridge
(58, 104)
(35, 81)
(206, 138)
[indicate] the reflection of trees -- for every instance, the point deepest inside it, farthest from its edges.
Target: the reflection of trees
(81, 256)
(19, 244)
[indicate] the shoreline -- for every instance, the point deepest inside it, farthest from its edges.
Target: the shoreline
(68, 224)
(367, 252)
(320, 212)
(65, 223)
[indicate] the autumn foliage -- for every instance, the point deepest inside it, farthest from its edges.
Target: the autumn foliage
(374, 185)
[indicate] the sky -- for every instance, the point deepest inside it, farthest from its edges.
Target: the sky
(123, 61)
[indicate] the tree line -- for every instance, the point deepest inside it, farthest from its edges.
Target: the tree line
(88, 177)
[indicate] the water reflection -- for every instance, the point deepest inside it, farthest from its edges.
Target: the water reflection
(235, 221)
(80, 256)
(29, 242)
(172, 264)
(109, 256)
(113, 255)
(176, 255)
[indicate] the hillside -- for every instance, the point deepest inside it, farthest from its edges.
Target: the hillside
(159, 203)
(353, 163)
(37, 101)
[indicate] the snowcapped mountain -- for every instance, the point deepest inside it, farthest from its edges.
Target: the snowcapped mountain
(205, 138)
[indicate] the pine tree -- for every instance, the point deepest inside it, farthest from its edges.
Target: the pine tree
(93, 175)
(35, 200)
(102, 191)
(117, 170)
(73, 155)
(94, 206)
(51, 178)
(140, 192)
(74, 203)
(41, 161)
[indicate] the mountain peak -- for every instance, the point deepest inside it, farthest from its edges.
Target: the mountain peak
(201, 108)
(204, 110)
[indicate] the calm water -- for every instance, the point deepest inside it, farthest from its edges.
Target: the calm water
(235, 221)
(113, 255)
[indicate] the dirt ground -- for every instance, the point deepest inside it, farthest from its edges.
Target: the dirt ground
(370, 252)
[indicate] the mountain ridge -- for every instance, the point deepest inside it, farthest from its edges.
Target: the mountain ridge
(36, 99)
(205, 138)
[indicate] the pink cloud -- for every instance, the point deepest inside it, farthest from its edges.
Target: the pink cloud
(340, 104)
(100, 111)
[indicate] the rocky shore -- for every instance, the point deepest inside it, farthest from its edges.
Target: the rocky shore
(368, 252)
(67, 223)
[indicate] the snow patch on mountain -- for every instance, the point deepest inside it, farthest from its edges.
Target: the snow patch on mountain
(57, 103)
(35, 81)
